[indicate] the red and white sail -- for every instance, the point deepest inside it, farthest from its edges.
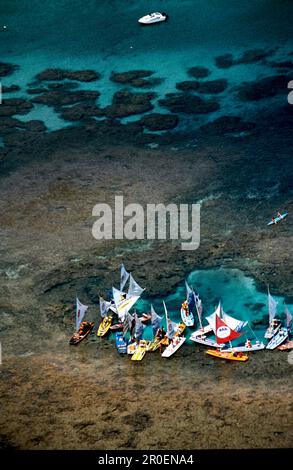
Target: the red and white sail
(232, 322)
(224, 333)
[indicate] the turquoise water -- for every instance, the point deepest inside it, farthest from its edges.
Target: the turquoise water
(104, 35)
(238, 294)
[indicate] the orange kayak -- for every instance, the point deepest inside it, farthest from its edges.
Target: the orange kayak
(229, 356)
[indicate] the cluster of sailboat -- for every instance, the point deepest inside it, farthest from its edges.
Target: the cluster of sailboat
(216, 331)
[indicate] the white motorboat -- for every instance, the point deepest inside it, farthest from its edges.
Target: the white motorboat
(153, 18)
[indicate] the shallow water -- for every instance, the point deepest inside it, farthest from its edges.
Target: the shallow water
(237, 292)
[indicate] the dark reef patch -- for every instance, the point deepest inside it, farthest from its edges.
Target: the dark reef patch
(159, 122)
(60, 74)
(7, 69)
(135, 78)
(224, 61)
(78, 112)
(213, 86)
(59, 98)
(227, 124)
(264, 88)
(198, 72)
(188, 85)
(12, 106)
(250, 56)
(188, 104)
(125, 103)
(10, 89)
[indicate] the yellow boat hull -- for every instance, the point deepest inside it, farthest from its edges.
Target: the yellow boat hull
(154, 345)
(104, 326)
(229, 356)
(141, 349)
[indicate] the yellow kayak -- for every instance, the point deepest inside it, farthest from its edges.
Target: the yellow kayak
(153, 346)
(230, 356)
(104, 326)
(140, 351)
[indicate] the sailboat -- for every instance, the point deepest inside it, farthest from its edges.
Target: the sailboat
(106, 319)
(187, 306)
(174, 334)
(141, 344)
(232, 323)
(225, 334)
(250, 345)
(83, 328)
(203, 330)
(156, 323)
(274, 323)
(124, 301)
(283, 333)
(289, 322)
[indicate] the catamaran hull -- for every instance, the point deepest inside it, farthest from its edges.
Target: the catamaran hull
(254, 347)
(205, 341)
(202, 331)
(154, 345)
(278, 339)
(188, 320)
(271, 333)
(172, 348)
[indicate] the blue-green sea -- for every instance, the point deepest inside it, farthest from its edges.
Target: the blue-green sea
(104, 35)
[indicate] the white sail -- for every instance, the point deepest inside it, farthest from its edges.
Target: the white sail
(272, 306)
(289, 319)
(134, 289)
(170, 325)
(118, 295)
(156, 319)
(212, 318)
(233, 323)
(139, 327)
(80, 313)
(124, 275)
(104, 306)
(236, 325)
(188, 289)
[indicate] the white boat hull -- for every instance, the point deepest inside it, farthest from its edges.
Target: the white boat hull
(202, 331)
(188, 320)
(205, 341)
(172, 348)
(272, 332)
(254, 347)
(278, 339)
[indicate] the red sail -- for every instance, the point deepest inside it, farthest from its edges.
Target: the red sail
(223, 332)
